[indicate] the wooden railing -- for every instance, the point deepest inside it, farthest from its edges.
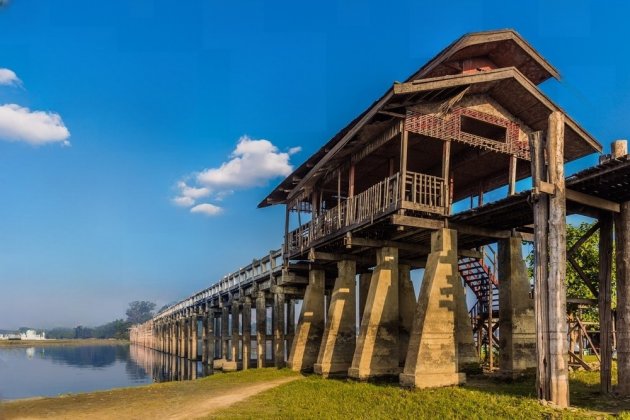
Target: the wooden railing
(373, 202)
(426, 192)
(422, 192)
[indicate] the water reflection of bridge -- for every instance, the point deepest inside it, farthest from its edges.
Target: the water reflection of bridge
(164, 367)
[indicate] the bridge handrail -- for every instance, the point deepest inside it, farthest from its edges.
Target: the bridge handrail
(258, 268)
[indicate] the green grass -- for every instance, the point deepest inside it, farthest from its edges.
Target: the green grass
(481, 398)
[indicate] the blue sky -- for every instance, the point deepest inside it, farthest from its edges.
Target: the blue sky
(155, 93)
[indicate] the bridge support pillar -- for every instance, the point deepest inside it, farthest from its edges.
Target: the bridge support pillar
(308, 333)
(432, 357)
(230, 363)
(290, 325)
(194, 329)
(406, 309)
(517, 322)
(247, 332)
(278, 329)
(364, 288)
(377, 349)
(261, 329)
(211, 339)
(339, 340)
(204, 337)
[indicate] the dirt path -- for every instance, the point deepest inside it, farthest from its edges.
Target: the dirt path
(173, 400)
(218, 402)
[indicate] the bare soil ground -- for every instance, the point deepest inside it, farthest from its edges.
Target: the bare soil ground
(172, 400)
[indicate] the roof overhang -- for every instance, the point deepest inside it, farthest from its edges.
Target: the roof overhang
(531, 70)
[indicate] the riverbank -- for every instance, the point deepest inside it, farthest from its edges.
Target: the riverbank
(173, 400)
(272, 393)
(65, 342)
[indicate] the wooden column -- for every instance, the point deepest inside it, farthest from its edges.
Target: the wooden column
(512, 175)
(404, 145)
(541, 218)
(446, 175)
(622, 254)
(558, 363)
(604, 301)
(204, 337)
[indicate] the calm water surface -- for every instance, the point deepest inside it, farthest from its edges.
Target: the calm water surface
(54, 370)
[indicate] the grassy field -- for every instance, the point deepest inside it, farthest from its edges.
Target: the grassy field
(481, 398)
(312, 397)
(77, 342)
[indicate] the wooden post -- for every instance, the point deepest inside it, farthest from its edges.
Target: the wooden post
(351, 181)
(604, 300)
(541, 216)
(558, 362)
(446, 171)
(512, 175)
(622, 254)
(404, 142)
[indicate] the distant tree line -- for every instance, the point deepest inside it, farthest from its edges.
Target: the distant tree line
(137, 313)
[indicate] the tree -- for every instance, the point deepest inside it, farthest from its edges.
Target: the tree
(140, 311)
(587, 258)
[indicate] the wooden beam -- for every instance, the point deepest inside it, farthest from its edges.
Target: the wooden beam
(582, 239)
(592, 201)
(417, 222)
(582, 198)
(582, 275)
(605, 299)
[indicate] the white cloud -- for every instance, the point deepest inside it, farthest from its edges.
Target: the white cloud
(8, 78)
(207, 209)
(252, 163)
(34, 127)
(189, 195)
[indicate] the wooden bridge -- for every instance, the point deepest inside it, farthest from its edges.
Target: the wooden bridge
(384, 197)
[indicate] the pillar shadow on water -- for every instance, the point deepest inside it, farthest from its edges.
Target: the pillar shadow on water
(164, 367)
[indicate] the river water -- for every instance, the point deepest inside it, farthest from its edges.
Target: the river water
(55, 370)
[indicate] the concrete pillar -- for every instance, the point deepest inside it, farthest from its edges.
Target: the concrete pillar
(376, 353)
(432, 357)
(236, 311)
(406, 309)
(310, 327)
(622, 255)
(290, 323)
(517, 321)
(364, 288)
(339, 340)
(261, 328)
(204, 337)
(278, 329)
(247, 332)
(186, 336)
(210, 339)
(225, 333)
(230, 344)
(194, 329)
